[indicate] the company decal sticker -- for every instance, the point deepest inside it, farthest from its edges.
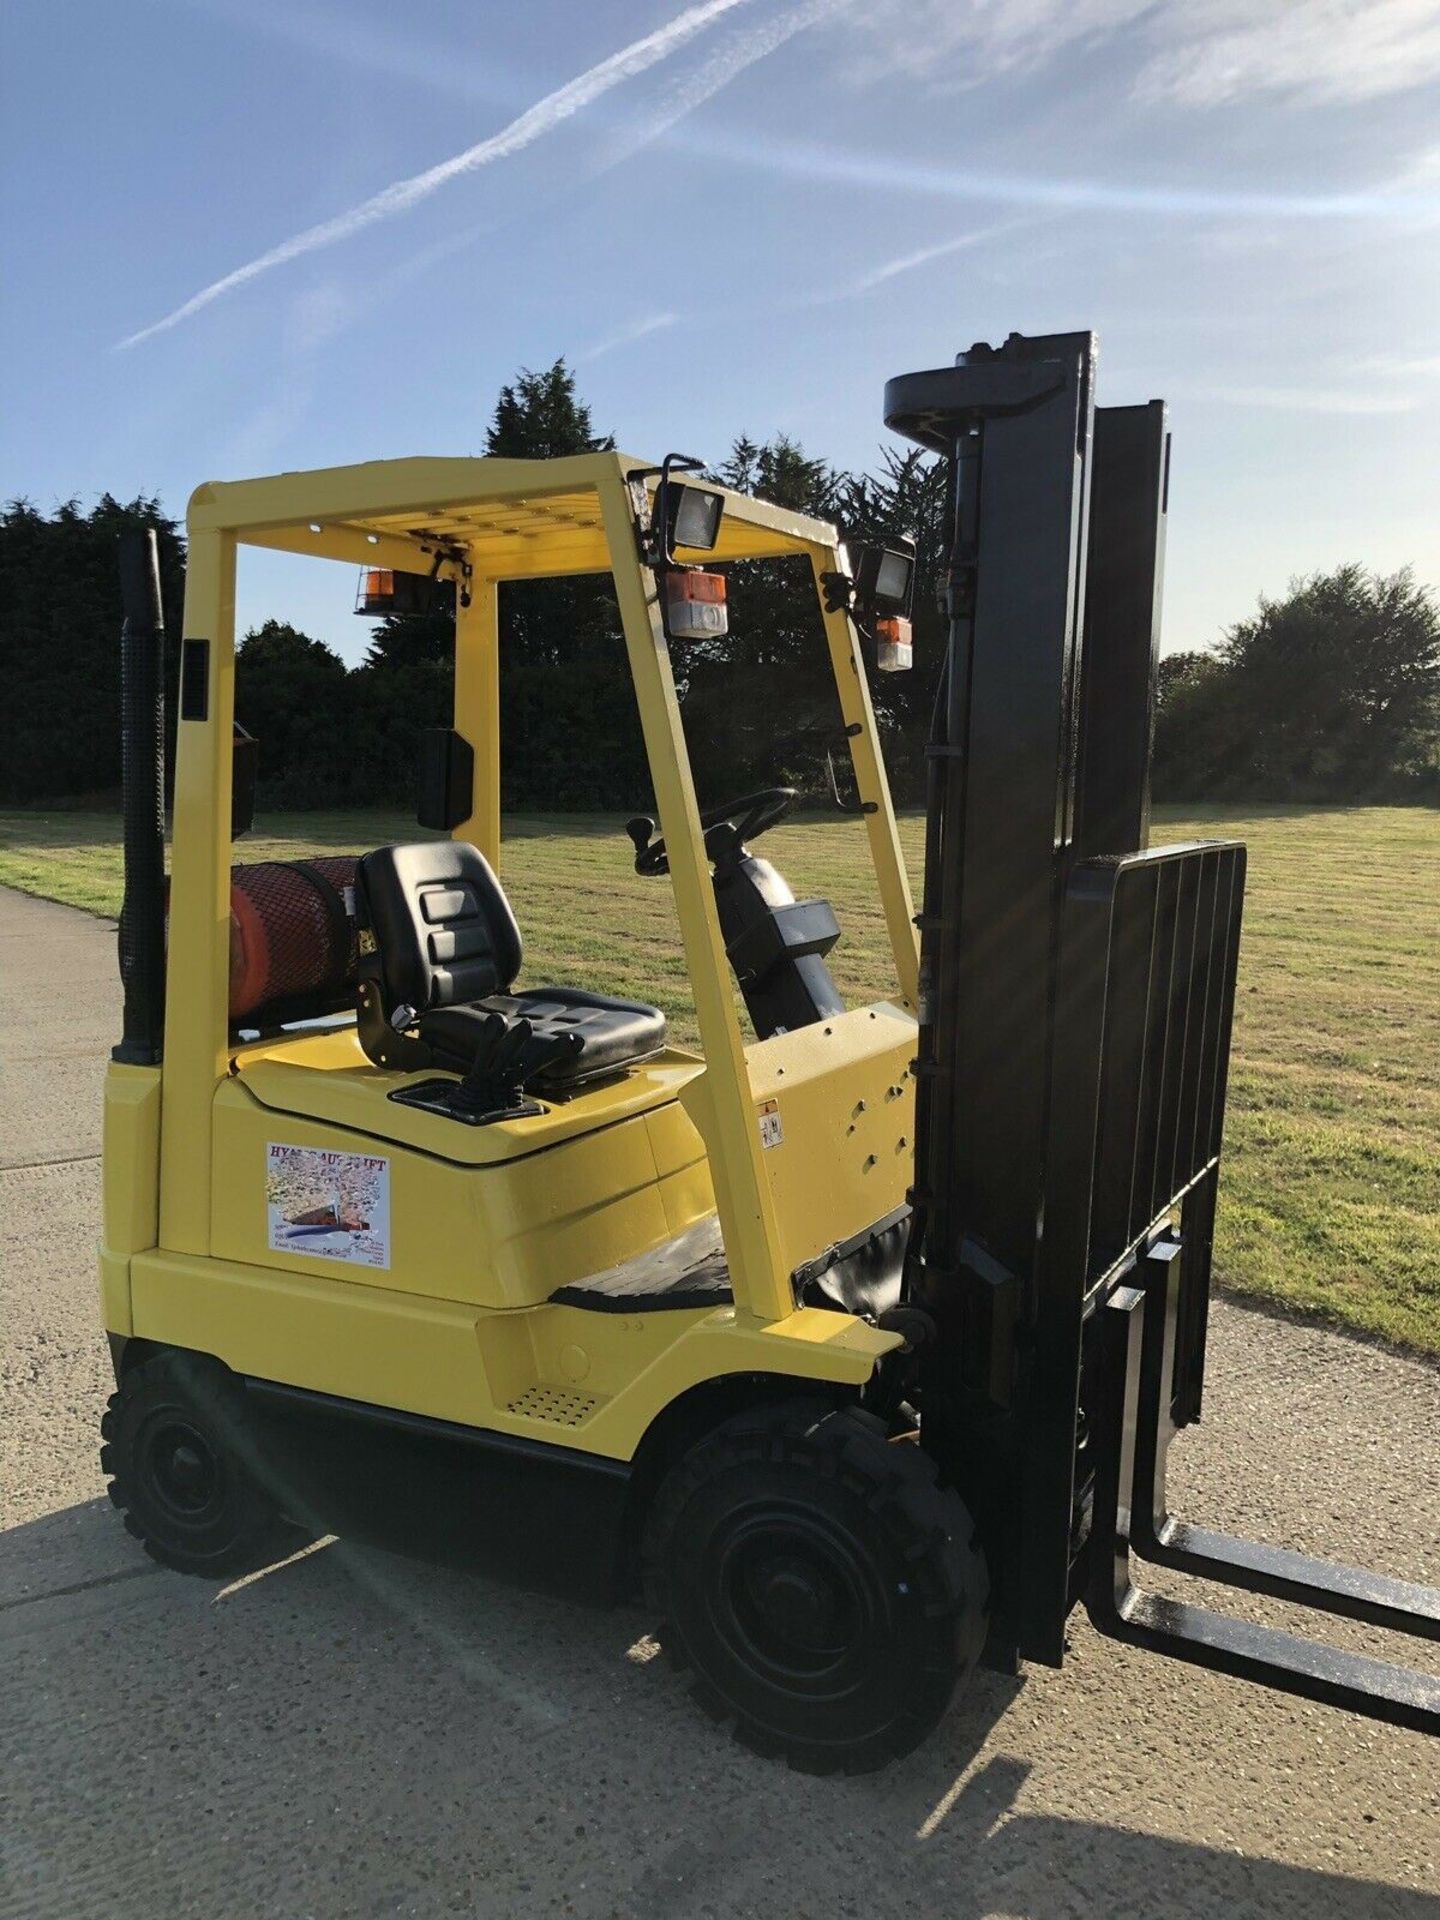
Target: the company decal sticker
(772, 1134)
(328, 1206)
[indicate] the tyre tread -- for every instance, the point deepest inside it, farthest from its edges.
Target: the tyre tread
(898, 1485)
(262, 1529)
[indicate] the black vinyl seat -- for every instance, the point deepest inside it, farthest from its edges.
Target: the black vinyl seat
(442, 953)
(613, 1033)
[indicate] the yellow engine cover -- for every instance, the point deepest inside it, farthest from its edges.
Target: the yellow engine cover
(494, 1216)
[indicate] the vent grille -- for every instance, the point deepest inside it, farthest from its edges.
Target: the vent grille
(560, 1406)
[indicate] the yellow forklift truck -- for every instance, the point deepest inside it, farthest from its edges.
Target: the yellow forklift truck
(859, 1343)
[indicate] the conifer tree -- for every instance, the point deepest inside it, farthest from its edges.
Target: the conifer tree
(60, 619)
(295, 696)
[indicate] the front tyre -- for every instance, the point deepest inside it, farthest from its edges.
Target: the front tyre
(184, 1470)
(825, 1594)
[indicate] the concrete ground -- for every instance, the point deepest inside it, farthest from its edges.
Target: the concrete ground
(355, 1734)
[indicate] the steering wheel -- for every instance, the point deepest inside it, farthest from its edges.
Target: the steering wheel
(748, 817)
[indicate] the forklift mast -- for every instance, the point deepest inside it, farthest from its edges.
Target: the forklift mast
(1076, 992)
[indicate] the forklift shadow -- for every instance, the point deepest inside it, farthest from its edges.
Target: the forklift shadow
(328, 1693)
(1054, 1864)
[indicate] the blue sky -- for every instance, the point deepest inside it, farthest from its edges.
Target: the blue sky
(336, 229)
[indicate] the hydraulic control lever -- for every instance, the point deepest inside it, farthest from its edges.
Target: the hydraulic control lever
(510, 1053)
(641, 830)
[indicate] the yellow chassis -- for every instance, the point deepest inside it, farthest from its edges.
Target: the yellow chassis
(460, 1326)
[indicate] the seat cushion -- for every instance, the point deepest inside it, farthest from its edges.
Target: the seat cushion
(443, 927)
(616, 1033)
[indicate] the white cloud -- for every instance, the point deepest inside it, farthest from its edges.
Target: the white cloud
(1313, 399)
(962, 42)
(316, 317)
(259, 439)
(344, 37)
(1197, 53)
(1325, 50)
(1421, 170)
(1192, 52)
(1396, 366)
(537, 121)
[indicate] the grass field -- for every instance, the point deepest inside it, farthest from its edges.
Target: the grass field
(1331, 1195)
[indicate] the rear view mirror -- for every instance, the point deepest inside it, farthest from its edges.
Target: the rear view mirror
(447, 779)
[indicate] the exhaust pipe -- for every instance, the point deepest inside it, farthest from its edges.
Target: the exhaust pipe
(142, 723)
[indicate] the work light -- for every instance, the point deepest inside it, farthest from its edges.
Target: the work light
(884, 575)
(695, 514)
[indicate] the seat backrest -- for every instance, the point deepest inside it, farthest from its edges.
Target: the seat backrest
(444, 933)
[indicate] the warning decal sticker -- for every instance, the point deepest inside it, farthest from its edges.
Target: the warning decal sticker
(771, 1132)
(328, 1206)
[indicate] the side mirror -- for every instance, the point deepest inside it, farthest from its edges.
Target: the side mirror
(447, 779)
(244, 765)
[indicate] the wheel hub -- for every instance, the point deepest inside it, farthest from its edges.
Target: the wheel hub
(790, 1599)
(797, 1603)
(186, 1469)
(183, 1469)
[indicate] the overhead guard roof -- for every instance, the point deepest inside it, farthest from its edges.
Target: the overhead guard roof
(514, 518)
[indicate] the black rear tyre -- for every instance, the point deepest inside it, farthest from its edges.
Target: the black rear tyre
(824, 1593)
(184, 1469)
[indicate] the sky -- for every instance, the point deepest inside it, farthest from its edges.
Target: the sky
(244, 236)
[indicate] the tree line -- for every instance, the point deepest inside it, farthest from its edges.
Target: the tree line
(1330, 693)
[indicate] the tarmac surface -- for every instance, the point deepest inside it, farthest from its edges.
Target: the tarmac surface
(357, 1734)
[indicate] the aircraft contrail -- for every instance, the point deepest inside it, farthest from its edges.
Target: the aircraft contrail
(746, 46)
(775, 155)
(530, 126)
(702, 83)
(626, 336)
(891, 269)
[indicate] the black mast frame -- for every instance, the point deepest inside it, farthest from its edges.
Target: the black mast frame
(1076, 998)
